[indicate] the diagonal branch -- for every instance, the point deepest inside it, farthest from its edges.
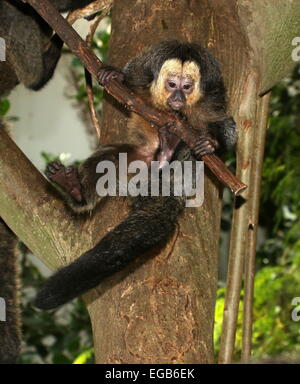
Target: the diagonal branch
(126, 96)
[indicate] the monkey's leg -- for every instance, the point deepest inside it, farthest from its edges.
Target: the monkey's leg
(168, 143)
(10, 324)
(80, 184)
(151, 222)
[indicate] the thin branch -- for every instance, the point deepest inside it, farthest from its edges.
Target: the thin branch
(126, 97)
(260, 138)
(244, 222)
(88, 77)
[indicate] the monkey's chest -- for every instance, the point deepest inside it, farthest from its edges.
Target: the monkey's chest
(144, 136)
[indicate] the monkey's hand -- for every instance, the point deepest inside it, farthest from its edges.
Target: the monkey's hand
(107, 73)
(66, 178)
(205, 145)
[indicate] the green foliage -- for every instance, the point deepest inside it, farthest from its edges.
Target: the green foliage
(84, 357)
(274, 331)
(281, 173)
(4, 107)
(61, 336)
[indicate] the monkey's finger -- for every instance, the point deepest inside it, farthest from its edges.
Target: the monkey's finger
(108, 73)
(205, 144)
(203, 150)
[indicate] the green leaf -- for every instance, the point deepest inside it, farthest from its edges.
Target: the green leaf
(84, 356)
(4, 107)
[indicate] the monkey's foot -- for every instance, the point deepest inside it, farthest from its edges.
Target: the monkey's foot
(66, 178)
(109, 73)
(205, 145)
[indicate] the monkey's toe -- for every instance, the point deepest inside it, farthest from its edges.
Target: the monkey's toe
(54, 168)
(56, 172)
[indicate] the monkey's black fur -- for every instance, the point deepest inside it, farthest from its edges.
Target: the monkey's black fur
(152, 219)
(144, 69)
(144, 228)
(31, 54)
(141, 71)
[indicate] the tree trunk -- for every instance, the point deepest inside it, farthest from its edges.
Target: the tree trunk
(163, 311)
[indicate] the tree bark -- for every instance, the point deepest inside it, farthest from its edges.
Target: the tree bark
(163, 311)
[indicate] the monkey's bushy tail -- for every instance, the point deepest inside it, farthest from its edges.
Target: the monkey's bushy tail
(10, 325)
(152, 221)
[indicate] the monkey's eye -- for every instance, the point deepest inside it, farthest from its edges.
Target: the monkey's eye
(188, 88)
(172, 84)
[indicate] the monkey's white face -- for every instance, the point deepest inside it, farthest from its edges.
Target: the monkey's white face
(177, 85)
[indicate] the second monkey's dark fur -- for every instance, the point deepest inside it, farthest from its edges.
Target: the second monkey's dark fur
(31, 54)
(152, 219)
